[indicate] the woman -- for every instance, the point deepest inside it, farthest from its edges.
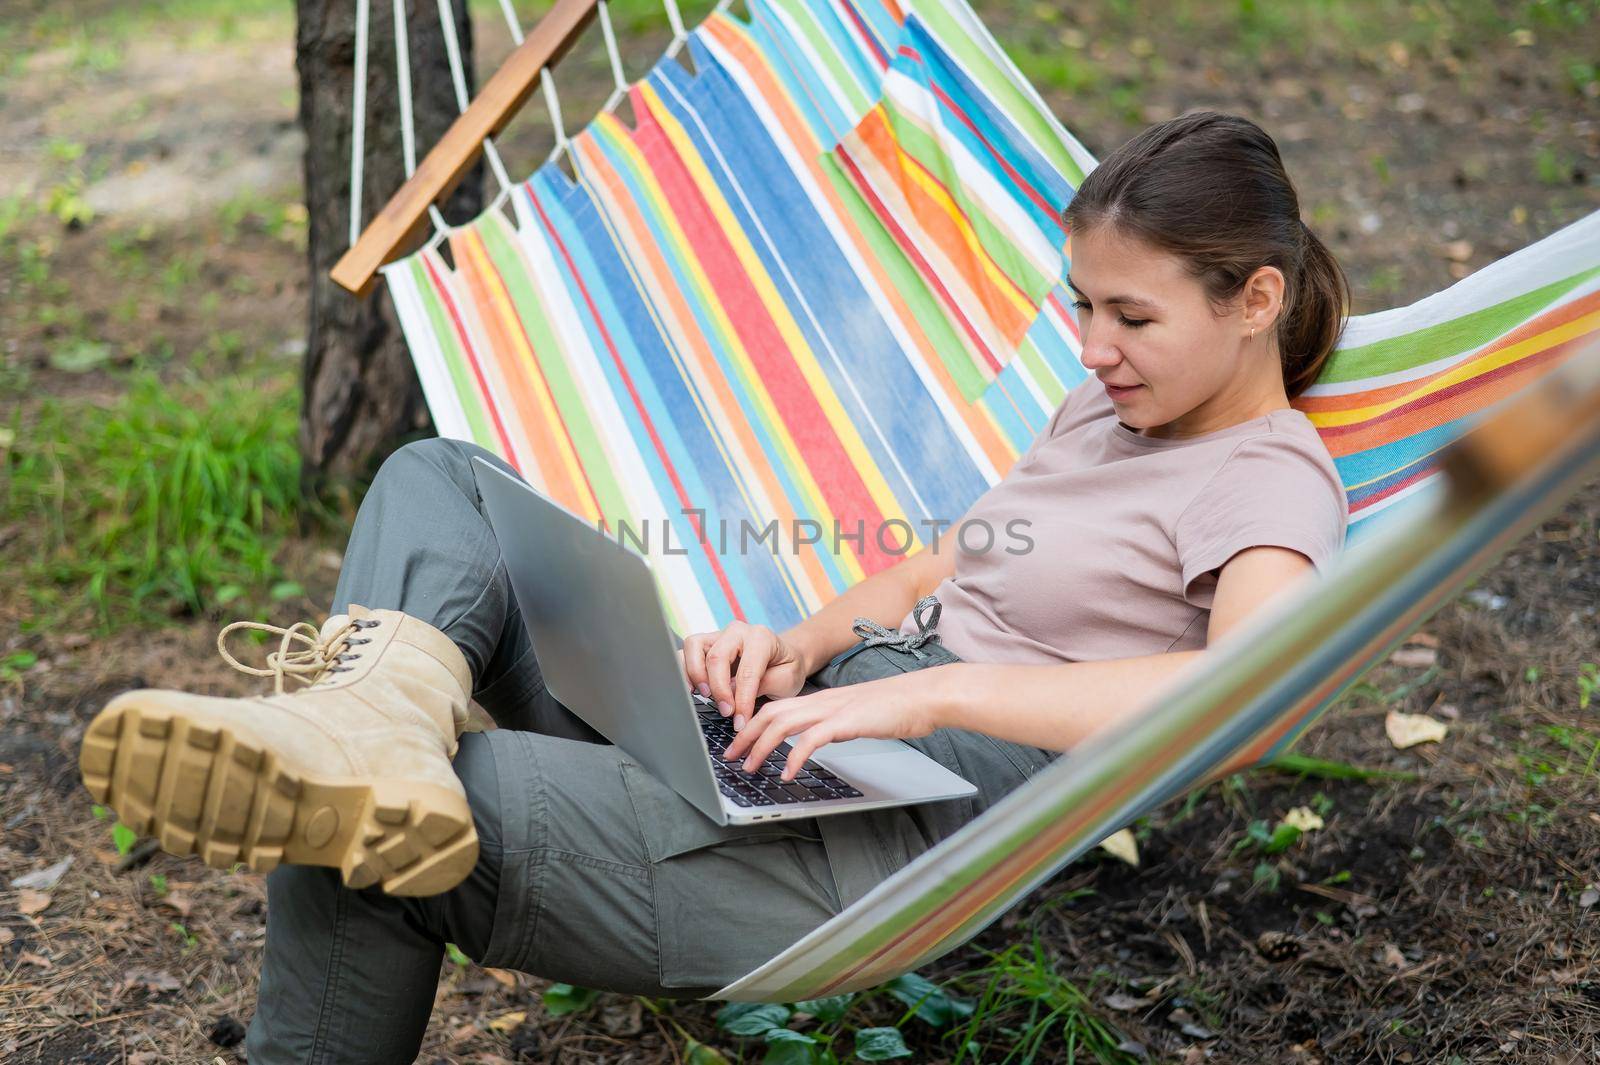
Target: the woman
(1171, 494)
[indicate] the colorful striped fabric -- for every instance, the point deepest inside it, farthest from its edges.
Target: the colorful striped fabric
(970, 203)
(712, 344)
(1405, 382)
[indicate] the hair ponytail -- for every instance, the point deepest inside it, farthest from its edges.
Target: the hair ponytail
(1310, 326)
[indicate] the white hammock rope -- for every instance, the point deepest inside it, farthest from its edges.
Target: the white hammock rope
(679, 34)
(511, 21)
(458, 77)
(358, 114)
(408, 131)
(619, 78)
(552, 103)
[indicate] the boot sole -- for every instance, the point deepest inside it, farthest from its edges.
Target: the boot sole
(212, 790)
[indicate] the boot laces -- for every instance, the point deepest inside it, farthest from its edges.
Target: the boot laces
(307, 665)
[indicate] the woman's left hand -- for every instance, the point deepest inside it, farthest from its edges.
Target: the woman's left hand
(897, 708)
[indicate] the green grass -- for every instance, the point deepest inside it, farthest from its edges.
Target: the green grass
(1027, 1011)
(172, 501)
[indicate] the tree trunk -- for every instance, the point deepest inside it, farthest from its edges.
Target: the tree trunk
(362, 398)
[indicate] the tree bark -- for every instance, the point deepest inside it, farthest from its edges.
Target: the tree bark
(361, 395)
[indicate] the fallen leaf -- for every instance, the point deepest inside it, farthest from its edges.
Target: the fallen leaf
(176, 901)
(1121, 844)
(44, 879)
(1117, 1000)
(1408, 730)
(1458, 250)
(503, 976)
(508, 1021)
(37, 960)
(1304, 818)
(30, 902)
(1390, 956)
(6, 936)
(1589, 897)
(1415, 657)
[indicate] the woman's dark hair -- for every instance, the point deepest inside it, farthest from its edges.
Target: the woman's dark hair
(1210, 189)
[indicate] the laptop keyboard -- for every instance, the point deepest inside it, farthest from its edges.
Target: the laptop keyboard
(763, 787)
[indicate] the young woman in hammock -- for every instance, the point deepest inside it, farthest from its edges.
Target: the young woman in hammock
(1171, 495)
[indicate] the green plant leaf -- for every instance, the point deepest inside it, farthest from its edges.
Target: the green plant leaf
(562, 999)
(17, 663)
(454, 953)
(752, 1018)
(828, 1010)
(881, 1044)
(1283, 837)
(785, 1046)
(286, 590)
(930, 1001)
(123, 837)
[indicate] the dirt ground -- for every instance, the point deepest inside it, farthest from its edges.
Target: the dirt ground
(1445, 913)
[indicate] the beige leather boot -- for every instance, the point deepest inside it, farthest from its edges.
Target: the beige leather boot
(350, 771)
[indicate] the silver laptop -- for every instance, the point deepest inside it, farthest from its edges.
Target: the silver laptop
(607, 654)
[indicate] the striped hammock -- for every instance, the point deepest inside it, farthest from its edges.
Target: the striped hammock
(816, 292)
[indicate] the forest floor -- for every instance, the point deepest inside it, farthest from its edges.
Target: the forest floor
(1448, 909)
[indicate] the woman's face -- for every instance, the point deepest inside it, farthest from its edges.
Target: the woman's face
(1146, 323)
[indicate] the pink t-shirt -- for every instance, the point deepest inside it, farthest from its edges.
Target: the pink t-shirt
(1102, 543)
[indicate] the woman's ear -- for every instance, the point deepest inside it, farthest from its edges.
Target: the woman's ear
(1263, 299)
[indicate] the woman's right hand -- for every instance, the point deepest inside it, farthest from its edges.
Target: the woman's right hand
(736, 664)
